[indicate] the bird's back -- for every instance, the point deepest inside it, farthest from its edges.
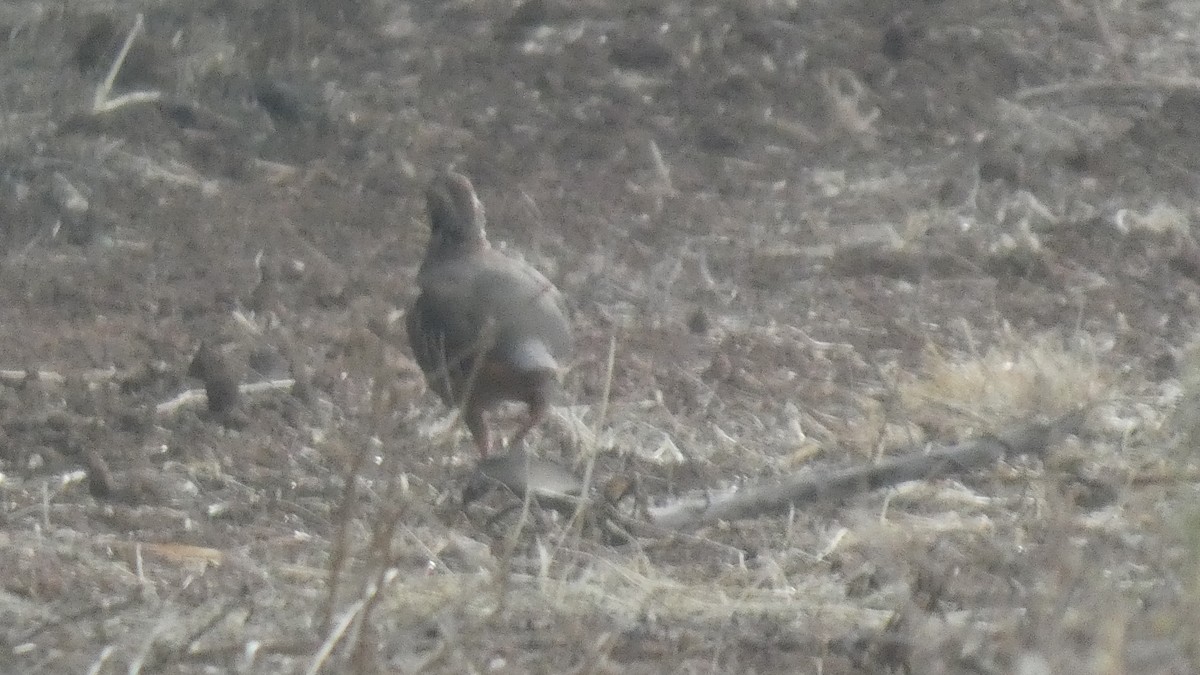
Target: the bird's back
(488, 303)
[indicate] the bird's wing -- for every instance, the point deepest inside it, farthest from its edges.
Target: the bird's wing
(488, 303)
(526, 309)
(426, 335)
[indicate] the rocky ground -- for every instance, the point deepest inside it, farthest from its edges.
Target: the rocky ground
(796, 237)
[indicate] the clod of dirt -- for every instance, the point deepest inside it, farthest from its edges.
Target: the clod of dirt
(1091, 494)
(302, 388)
(264, 299)
(718, 138)
(290, 104)
(192, 116)
(527, 16)
(898, 39)
(326, 285)
(81, 223)
(1000, 161)
(719, 370)
(266, 361)
(639, 53)
(221, 381)
(133, 488)
(1179, 112)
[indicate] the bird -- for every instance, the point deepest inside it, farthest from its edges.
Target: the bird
(485, 327)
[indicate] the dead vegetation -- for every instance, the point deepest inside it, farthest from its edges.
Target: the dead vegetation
(813, 251)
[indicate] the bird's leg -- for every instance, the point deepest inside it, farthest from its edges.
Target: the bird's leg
(539, 405)
(473, 416)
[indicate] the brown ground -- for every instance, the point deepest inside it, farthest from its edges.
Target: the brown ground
(815, 232)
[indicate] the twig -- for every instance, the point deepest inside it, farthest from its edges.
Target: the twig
(101, 103)
(98, 664)
(68, 198)
(94, 375)
(381, 545)
(1109, 38)
(341, 542)
(195, 396)
(334, 636)
(661, 169)
(845, 95)
(147, 647)
(588, 471)
(235, 601)
(175, 174)
(1107, 90)
(101, 610)
(606, 394)
(502, 575)
(362, 647)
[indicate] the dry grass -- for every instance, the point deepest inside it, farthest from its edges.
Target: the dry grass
(786, 249)
(1016, 378)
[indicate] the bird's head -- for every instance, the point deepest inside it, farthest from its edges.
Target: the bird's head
(456, 217)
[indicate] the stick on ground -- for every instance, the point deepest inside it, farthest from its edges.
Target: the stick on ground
(754, 501)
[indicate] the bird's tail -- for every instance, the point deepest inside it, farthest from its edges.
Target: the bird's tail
(532, 354)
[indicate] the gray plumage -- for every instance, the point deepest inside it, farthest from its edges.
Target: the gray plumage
(485, 327)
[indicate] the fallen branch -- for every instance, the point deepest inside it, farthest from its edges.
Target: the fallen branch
(197, 396)
(1103, 91)
(93, 375)
(755, 501)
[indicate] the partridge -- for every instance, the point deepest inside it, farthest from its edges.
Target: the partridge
(485, 328)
